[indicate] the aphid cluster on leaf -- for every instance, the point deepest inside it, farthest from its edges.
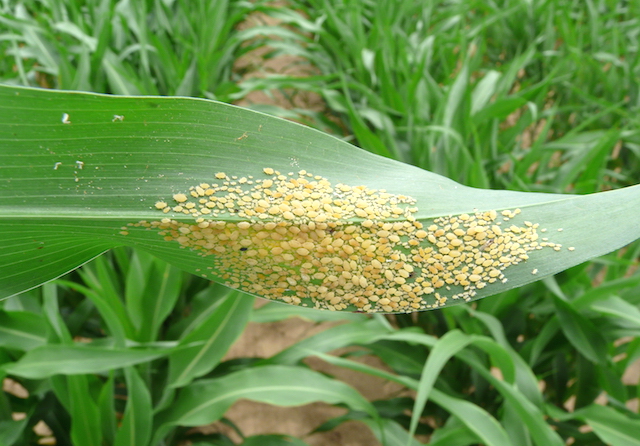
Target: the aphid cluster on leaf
(298, 238)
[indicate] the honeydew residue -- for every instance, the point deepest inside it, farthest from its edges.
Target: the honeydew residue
(300, 239)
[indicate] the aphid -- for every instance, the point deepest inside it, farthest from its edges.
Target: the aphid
(486, 245)
(180, 198)
(56, 165)
(65, 118)
(79, 165)
(117, 118)
(535, 271)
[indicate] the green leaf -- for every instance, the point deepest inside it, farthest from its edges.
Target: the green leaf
(54, 359)
(273, 440)
(531, 416)
(107, 410)
(476, 419)
(86, 426)
(211, 339)
(619, 308)
(335, 337)
(390, 433)
(136, 423)
(152, 289)
(77, 168)
(22, 330)
(611, 426)
(446, 347)
(455, 436)
(581, 332)
(12, 430)
(487, 428)
(205, 401)
(276, 311)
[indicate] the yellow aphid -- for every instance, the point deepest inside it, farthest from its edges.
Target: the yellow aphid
(180, 198)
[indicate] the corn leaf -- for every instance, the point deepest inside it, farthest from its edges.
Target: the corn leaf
(82, 173)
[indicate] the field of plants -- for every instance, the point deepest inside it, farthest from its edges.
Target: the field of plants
(129, 349)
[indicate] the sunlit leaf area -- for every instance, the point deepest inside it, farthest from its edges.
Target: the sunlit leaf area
(319, 222)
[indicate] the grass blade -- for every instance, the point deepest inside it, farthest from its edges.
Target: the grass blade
(212, 337)
(446, 347)
(611, 426)
(22, 330)
(207, 400)
(582, 333)
(86, 427)
(476, 419)
(53, 359)
(136, 423)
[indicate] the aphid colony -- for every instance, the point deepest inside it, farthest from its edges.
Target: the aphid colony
(299, 239)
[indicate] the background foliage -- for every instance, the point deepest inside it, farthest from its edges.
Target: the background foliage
(531, 96)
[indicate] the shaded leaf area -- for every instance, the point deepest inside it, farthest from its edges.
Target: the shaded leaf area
(80, 169)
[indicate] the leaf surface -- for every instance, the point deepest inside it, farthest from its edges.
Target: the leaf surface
(79, 172)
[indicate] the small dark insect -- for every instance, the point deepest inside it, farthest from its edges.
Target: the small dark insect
(487, 244)
(243, 248)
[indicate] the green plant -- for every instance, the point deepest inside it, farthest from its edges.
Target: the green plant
(512, 95)
(54, 222)
(506, 94)
(149, 47)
